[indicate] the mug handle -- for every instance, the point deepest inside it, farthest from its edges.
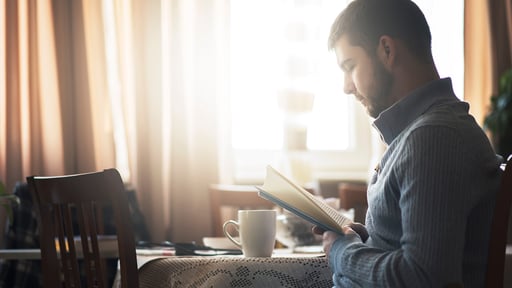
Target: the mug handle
(224, 228)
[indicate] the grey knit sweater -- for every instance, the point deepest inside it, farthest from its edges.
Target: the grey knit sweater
(430, 199)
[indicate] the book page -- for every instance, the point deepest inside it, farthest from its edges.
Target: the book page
(296, 197)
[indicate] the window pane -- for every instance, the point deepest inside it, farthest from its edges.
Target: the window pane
(446, 21)
(279, 51)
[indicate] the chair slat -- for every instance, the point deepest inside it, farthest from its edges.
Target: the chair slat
(69, 264)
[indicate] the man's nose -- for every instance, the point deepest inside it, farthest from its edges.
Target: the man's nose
(348, 86)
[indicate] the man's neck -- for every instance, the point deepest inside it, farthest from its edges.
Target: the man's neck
(412, 77)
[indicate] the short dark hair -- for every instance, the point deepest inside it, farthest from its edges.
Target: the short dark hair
(365, 21)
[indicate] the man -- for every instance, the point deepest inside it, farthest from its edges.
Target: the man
(431, 198)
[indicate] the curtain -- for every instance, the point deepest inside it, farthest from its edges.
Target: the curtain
(487, 49)
(500, 16)
(177, 142)
(137, 85)
(477, 58)
(45, 109)
(488, 54)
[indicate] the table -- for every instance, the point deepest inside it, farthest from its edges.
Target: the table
(22, 268)
(236, 271)
(283, 269)
(35, 254)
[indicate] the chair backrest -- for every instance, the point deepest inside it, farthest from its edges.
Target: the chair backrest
(64, 200)
(236, 196)
(352, 195)
(499, 226)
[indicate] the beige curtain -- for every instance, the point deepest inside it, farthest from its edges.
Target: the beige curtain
(168, 83)
(137, 85)
(477, 58)
(163, 65)
(177, 141)
(500, 21)
(46, 107)
(488, 53)
(487, 50)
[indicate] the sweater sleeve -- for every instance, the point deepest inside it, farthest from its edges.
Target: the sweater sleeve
(436, 189)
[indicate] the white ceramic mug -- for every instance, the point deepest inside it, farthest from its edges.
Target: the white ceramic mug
(257, 232)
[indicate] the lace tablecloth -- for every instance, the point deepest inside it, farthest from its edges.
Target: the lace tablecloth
(233, 271)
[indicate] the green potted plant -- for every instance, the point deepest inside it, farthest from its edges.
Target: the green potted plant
(499, 119)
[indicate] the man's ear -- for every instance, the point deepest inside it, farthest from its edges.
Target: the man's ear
(386, 51)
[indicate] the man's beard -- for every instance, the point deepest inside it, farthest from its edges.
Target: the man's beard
(379, 96)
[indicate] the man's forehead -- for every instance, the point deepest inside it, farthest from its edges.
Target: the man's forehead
(344, 48)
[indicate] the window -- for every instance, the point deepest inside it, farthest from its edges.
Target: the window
(280, 48)
(279, 53)
(287, 91)
(446, 21)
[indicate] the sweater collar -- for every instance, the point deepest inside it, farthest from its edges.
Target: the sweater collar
(392, 121)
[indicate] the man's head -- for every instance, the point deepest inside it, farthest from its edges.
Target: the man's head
(365, 21)
(376, 42)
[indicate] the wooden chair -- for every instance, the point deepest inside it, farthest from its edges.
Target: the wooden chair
(64, 200)
(353, 195)
(499, 226)
(236, 196)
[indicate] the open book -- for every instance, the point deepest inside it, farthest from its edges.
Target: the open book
(290, 196)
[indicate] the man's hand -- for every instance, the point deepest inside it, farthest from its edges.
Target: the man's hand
(328, 237)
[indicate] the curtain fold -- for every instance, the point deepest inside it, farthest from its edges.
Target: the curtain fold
(500, 21)
(487, 51)
(180, 93)
(488, 54)
(48, 108)
(500, 15)
(137, 85)
(45, 106)
(477, 58)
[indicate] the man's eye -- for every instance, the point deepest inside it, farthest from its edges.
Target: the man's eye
(348, 68)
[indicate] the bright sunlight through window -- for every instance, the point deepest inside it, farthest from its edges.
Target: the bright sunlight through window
(284, 78)
(279, 52)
